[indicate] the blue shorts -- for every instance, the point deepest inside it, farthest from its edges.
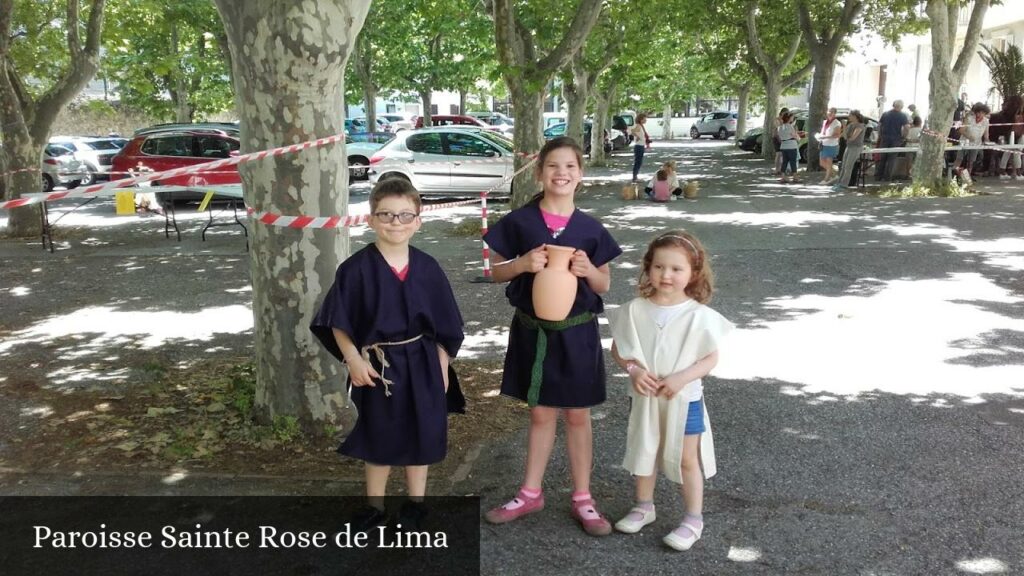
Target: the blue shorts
(695, 418)
(829, 152)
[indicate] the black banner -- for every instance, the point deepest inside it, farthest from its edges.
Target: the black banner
(305, 536)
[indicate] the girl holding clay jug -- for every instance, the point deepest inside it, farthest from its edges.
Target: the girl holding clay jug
(554, 360)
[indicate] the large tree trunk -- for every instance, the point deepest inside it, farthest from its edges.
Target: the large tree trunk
(362, 64)
(425, 101)
(180, 95)
(528, 137)
(772, 94)
(821, 91)
(289, 85)
(602, 113)
(462, 100)
(526, 74)
(741, 114)
(575, 94)
(666, 123)
(943, 83)
(25, 121)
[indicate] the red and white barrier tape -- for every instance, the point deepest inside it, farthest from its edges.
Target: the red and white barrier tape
(33, 169)
(300, 222)
(90, 191)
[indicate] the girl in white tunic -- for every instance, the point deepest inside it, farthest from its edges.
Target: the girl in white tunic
(667, 340)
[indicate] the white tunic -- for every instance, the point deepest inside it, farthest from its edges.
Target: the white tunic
(656, 424)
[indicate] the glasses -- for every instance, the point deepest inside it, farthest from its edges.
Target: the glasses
(388, 217)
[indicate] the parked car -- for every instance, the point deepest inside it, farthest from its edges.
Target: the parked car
(588, 128)
(619, 134)
(160, 151)
(358, 126)
(359, 154)
(231, 128)
(383, 124)
(456, 120)
(497, 119)
(720, 124)
(447, 160)
(60, 168)
(94, 153)
(751, 141)
(399, 122)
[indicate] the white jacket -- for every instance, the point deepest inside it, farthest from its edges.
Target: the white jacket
(657, 424)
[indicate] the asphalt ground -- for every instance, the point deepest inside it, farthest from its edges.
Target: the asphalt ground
(867, 412)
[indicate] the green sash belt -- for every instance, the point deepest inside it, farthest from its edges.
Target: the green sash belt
(542, 327)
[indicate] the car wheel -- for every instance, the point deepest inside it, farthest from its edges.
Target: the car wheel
(358, 168)
(47, 183)
(694, 133)
(73, 184)
(723, 134)
(88, 175)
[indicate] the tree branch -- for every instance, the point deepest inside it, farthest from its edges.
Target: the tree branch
(973, 35)
(587, 13)
(795, 77)
(506, 39)
(74, 42)
(757, 53)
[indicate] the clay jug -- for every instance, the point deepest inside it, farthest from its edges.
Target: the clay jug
(554, 287)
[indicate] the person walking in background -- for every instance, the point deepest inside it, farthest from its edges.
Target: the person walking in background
(641, 143)
(1009, 131)
(958, 116)
(854, 136)
(667, 340)
(789, 145)
(776, 122)
(556, 367)
(890, 135)
(828, 137)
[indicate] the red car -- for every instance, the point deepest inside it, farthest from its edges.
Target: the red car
(455, 120)
(162, 151)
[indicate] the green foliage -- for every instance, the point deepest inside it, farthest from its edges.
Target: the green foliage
(39, 41)
(951, 189)
(160, 52)
(241, 391)
(424, 45)
(1006, 68)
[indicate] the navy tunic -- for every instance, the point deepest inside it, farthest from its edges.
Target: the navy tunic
(370, 304)
(574, 374)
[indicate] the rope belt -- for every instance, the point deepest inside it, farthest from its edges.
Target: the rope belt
(542, 327)
(378, 349)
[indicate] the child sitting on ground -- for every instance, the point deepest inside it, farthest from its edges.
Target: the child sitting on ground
(672, 181)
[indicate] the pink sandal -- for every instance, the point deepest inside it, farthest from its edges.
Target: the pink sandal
(593, 522)
(519, 506)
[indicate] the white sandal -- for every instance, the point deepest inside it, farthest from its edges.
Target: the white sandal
(677, 542)
(630, 526)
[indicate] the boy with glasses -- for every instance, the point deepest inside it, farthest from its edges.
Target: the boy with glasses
(392, 318)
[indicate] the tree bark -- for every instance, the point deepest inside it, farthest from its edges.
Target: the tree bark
(743, 92)
(462, 100)
(289, 78)
(362, 63)
(425, 101)
(943, 82)
(824, 51)
(574, 90)
(527, 74)
(27, 121)
(770, 70)
(602, 109)
(666, 123)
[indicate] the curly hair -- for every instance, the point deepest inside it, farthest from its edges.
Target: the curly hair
(701, 284)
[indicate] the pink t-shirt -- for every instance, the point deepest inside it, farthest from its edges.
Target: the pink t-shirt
(554, 222)
(401, 274)
(661, 191)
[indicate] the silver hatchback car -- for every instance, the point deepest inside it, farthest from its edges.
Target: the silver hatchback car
(447, 160)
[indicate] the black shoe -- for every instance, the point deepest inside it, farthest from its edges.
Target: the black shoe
(368, 518)
(411, 516)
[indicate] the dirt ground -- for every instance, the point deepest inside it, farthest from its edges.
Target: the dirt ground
(199, 418)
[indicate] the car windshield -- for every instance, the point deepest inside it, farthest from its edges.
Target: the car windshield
(55, 150)
(498, 139)
(103, 145)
